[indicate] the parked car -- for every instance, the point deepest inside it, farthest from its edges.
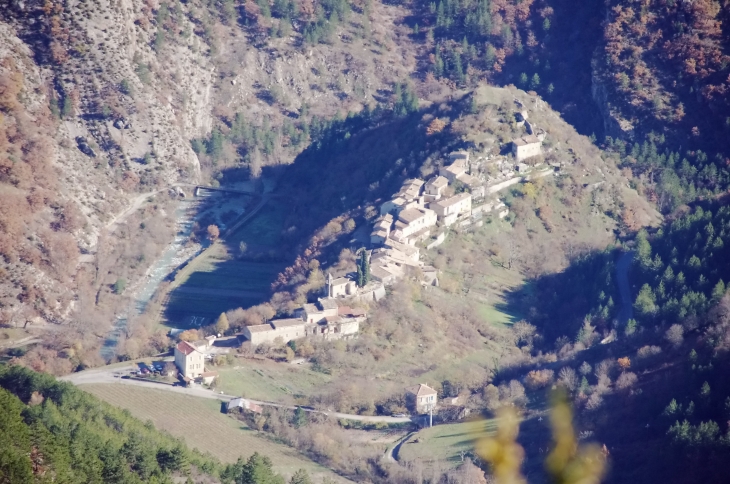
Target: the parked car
(400, 415)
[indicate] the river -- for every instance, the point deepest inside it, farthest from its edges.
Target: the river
(172, 256)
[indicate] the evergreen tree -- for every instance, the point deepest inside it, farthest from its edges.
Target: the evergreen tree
(535, 82)
(365, 268)
(523, 79)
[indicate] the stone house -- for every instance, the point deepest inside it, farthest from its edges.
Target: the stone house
(411, 252)
(526, 147)
(340, 287)
(189, 360)
(449, 210)
(409, 196)
(381, 230)
(412, 224)
(207, 377)
(386, 274)
(454, 170)
(435, 188)
(421, 398)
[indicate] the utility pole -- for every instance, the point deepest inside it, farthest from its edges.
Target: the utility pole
(430, 415)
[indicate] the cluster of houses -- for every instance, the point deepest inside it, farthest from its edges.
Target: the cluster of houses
(325, 319)
(421, 211)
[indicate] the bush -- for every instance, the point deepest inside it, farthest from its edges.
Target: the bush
(539, 379)
(626, 380)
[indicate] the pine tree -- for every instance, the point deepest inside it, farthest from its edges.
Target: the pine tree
(535, 82)
(365, 268)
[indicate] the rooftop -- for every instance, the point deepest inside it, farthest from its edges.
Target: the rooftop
(421, 390)
(410, 215)
(454, 200)
(260, 328)
(286, 323)
(438, 182)
(328, 304)
(310, 308)
(185, 348)
(340, 281)
(526, 140)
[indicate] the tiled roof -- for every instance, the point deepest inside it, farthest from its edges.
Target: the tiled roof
(260, 328)
(185, 348)
(421, 390)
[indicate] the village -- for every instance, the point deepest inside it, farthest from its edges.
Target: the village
(419, 217)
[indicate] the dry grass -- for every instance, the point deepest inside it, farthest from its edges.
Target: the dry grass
(199, 422)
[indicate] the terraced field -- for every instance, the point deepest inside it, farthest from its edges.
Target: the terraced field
(201, 424)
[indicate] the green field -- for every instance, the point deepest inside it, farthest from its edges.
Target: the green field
(217, 280)
(201, 424)
(263, 232)
(445, 442)
(270, 381)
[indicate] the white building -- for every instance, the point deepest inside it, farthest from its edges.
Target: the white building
(435, 188)
(526, 147)
(413, 224)
(449, 210)
(189, 360)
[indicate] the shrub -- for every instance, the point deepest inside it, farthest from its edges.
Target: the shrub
(626, 380)
(675, 335)
(648, 351)
(539, 379)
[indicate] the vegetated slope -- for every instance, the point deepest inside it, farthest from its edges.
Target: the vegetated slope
(453, 333)
(659, 374)
(51, 431)
(216, 434)
(118, 89)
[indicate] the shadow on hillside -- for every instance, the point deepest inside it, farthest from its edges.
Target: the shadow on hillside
(572, 39)
(558, 303)
(361, 160)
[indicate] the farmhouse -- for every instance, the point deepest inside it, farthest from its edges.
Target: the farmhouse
(421, 398)
(526, 147)
(189, 360)
(448, 210)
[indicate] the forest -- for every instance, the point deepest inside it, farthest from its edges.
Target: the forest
(53, 432)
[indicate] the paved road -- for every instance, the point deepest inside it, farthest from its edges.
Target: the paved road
(112, 376)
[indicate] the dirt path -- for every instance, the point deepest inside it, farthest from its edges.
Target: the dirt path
(132, 207)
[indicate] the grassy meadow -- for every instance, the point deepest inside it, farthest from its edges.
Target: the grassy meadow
(201, 424)
(221, 278)
(270, 381)
(445, 443)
